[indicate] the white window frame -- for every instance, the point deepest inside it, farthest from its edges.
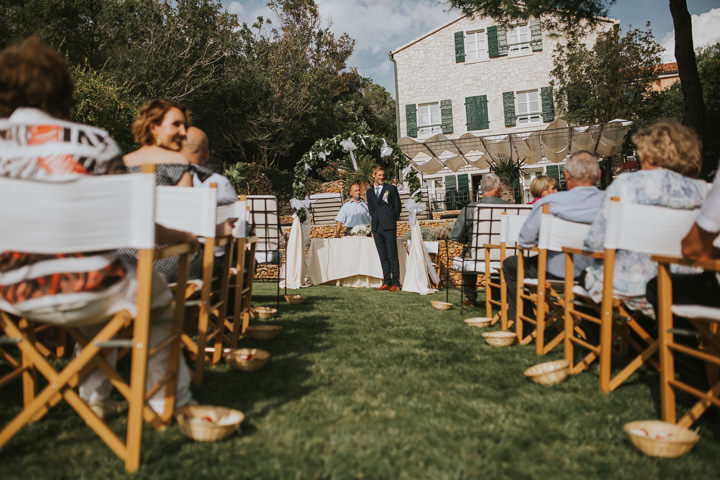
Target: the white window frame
(528, 107)
(476, 46)
(429, 120)
(519, 39)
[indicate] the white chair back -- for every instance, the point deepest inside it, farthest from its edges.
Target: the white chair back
(188, 209)
(487, 226)
(82, 214)
(239, 210)
(510, 226)
(647, 228)
(556, 233)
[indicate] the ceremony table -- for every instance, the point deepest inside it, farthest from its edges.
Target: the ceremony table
(349, 262)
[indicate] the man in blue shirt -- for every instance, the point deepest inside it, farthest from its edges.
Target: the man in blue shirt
(580, 203)
(354, 212)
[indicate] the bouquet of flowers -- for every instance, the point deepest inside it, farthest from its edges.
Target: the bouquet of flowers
(360, 231)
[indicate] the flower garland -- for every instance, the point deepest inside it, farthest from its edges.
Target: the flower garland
(325, 150)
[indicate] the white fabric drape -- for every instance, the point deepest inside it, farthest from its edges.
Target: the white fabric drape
(416, 273)
(294, 268)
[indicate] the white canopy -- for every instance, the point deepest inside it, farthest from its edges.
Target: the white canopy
(555, 142)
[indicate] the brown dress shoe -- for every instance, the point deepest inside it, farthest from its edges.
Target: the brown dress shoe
(384, 286)
(394, 288)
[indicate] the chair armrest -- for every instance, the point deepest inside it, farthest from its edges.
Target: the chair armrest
(529, 249)
(491, 245)
(706, 264)
(585, 253)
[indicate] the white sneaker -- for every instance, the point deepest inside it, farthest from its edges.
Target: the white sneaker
(108, 408)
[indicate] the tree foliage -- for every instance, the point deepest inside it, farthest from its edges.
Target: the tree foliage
(263, 93)
(609, 80)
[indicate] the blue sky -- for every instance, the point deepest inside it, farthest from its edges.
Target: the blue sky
(379, 26)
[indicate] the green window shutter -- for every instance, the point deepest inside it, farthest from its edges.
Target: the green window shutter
(476, 113)
(411, 118)
(535, 35)
(446, 116)
(548, 106)
(502, 41)
(450, 182)
(509, 108)
(459, 47)
(463, 183)
(492, 36)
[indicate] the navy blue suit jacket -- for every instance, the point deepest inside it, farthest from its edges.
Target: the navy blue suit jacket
(384, 211)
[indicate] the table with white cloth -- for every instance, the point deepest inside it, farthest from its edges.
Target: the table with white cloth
(349, 262)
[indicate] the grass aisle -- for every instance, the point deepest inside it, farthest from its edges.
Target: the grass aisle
(376, 385)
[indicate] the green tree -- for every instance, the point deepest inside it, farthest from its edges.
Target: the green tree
(609, 80)
(570, 17)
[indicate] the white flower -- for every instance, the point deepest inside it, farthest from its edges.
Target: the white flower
(348, 145)
(360, 231)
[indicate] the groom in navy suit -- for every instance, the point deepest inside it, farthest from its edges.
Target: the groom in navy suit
(384, 205)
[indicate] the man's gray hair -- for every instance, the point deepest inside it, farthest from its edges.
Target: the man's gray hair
(489, 182)
(583, 167)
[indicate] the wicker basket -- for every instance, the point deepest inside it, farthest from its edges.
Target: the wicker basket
(661, 439)
(548, 373)
(499, 338)
(265, 312)
(437, 305)
(295, 299)
(206, 423)
(478, 321)
(246, 359)
(263, 332)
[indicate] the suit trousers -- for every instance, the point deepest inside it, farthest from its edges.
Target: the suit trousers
(386, 244)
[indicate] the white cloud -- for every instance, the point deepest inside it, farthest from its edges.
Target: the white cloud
(236, 8)
(705, 32)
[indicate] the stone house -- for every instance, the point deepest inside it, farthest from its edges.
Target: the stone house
(474, 75)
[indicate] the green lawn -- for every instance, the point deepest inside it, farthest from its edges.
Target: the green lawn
(379, 385)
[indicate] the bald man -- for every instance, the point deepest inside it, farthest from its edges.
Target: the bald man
(195, 149)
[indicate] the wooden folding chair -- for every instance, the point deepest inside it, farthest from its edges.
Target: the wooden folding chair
(92, 214)
(706, 321)
(642, 228)
(545, 294)
(195, 210)
(242, 273)
(510, 225)
(266, 220)
(483, 221)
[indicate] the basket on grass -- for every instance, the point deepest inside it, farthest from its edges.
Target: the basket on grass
(263, 332)
(295, 299)
(265, 312)
(661, 439)
(478, 322)
(246, 359)
(206, 423)
(499, 338)
(548, 373)
(438, 305)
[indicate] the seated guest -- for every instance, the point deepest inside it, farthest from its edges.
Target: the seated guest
(354, 212)
(195, 149)
(490, 191)
(160, 128)
(669, 156)
(36, 93)
(542, 186)
(580, 203)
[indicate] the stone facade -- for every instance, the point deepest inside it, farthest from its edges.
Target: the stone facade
(427, 72)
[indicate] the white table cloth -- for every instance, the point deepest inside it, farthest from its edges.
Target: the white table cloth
(348, 262)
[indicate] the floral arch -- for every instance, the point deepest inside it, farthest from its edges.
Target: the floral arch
(325, 150)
